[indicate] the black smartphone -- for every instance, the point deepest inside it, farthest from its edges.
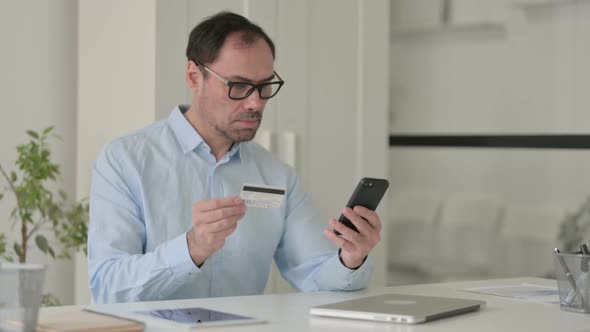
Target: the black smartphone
(368, 193)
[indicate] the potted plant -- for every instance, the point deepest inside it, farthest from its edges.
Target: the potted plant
(38, 211)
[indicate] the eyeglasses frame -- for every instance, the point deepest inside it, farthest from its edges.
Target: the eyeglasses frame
(258, 87)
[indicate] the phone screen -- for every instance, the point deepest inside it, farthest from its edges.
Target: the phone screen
(192, 315)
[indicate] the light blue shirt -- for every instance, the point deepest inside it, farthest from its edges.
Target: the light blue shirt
(143, 188)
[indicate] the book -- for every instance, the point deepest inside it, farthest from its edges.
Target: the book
(84, 320)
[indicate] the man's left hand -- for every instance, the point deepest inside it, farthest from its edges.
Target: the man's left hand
(356, 246)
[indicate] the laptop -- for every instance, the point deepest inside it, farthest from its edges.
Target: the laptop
(398, 308)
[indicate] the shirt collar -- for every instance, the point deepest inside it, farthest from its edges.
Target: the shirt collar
(188, 137)
(235, 152)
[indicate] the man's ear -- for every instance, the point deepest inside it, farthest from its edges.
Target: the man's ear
(193, 75)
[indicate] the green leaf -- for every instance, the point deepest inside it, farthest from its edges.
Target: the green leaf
(32, 134)
(2, 244)
(13, 213)
(49, 300)
(18, 250)
(39, 204)
(47, 130)
(42, 243)
(1, 196)
(51, 252)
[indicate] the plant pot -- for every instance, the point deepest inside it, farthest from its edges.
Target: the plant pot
(21, 288)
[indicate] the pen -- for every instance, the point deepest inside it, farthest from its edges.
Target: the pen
(574, 290)
(585, 252)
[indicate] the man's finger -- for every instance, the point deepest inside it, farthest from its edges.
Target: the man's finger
(361, 224)
(226, 232)
(222, 225)
(346, 232)
(218, 203)
(337, 240)
(222, 214)
(370, 216)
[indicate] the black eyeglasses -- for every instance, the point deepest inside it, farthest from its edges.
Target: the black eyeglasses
(242, 90)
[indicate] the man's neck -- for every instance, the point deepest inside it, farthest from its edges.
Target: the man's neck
(218, 144)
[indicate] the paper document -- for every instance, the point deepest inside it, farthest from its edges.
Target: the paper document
(530, 292)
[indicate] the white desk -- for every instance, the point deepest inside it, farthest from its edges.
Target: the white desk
(289, 312)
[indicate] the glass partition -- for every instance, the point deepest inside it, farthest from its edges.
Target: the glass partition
(489, 147)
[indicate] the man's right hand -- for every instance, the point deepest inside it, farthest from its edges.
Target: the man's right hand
(213, 221)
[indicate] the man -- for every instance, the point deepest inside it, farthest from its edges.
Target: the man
(166, 219)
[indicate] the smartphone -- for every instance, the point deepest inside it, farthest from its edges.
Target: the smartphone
(368, 193)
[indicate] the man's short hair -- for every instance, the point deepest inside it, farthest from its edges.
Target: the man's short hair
(208, 37)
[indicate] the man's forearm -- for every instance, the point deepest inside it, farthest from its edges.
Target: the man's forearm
(142, 277)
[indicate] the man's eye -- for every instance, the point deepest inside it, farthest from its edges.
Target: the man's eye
(241, 87)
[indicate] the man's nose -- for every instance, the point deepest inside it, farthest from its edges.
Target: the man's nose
(254, 102)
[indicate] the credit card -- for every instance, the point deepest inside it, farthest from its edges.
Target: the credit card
(262, 196)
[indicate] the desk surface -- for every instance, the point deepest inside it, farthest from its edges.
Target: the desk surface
(290, 312)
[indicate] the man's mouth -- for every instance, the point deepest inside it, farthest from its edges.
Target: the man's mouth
(249, 123)
(249, 120)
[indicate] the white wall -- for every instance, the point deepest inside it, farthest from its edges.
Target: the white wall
(117, 85)
(38, 89)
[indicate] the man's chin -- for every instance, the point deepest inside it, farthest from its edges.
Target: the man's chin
(244, 135)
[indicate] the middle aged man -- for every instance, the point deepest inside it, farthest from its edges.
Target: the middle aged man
(166, 218)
